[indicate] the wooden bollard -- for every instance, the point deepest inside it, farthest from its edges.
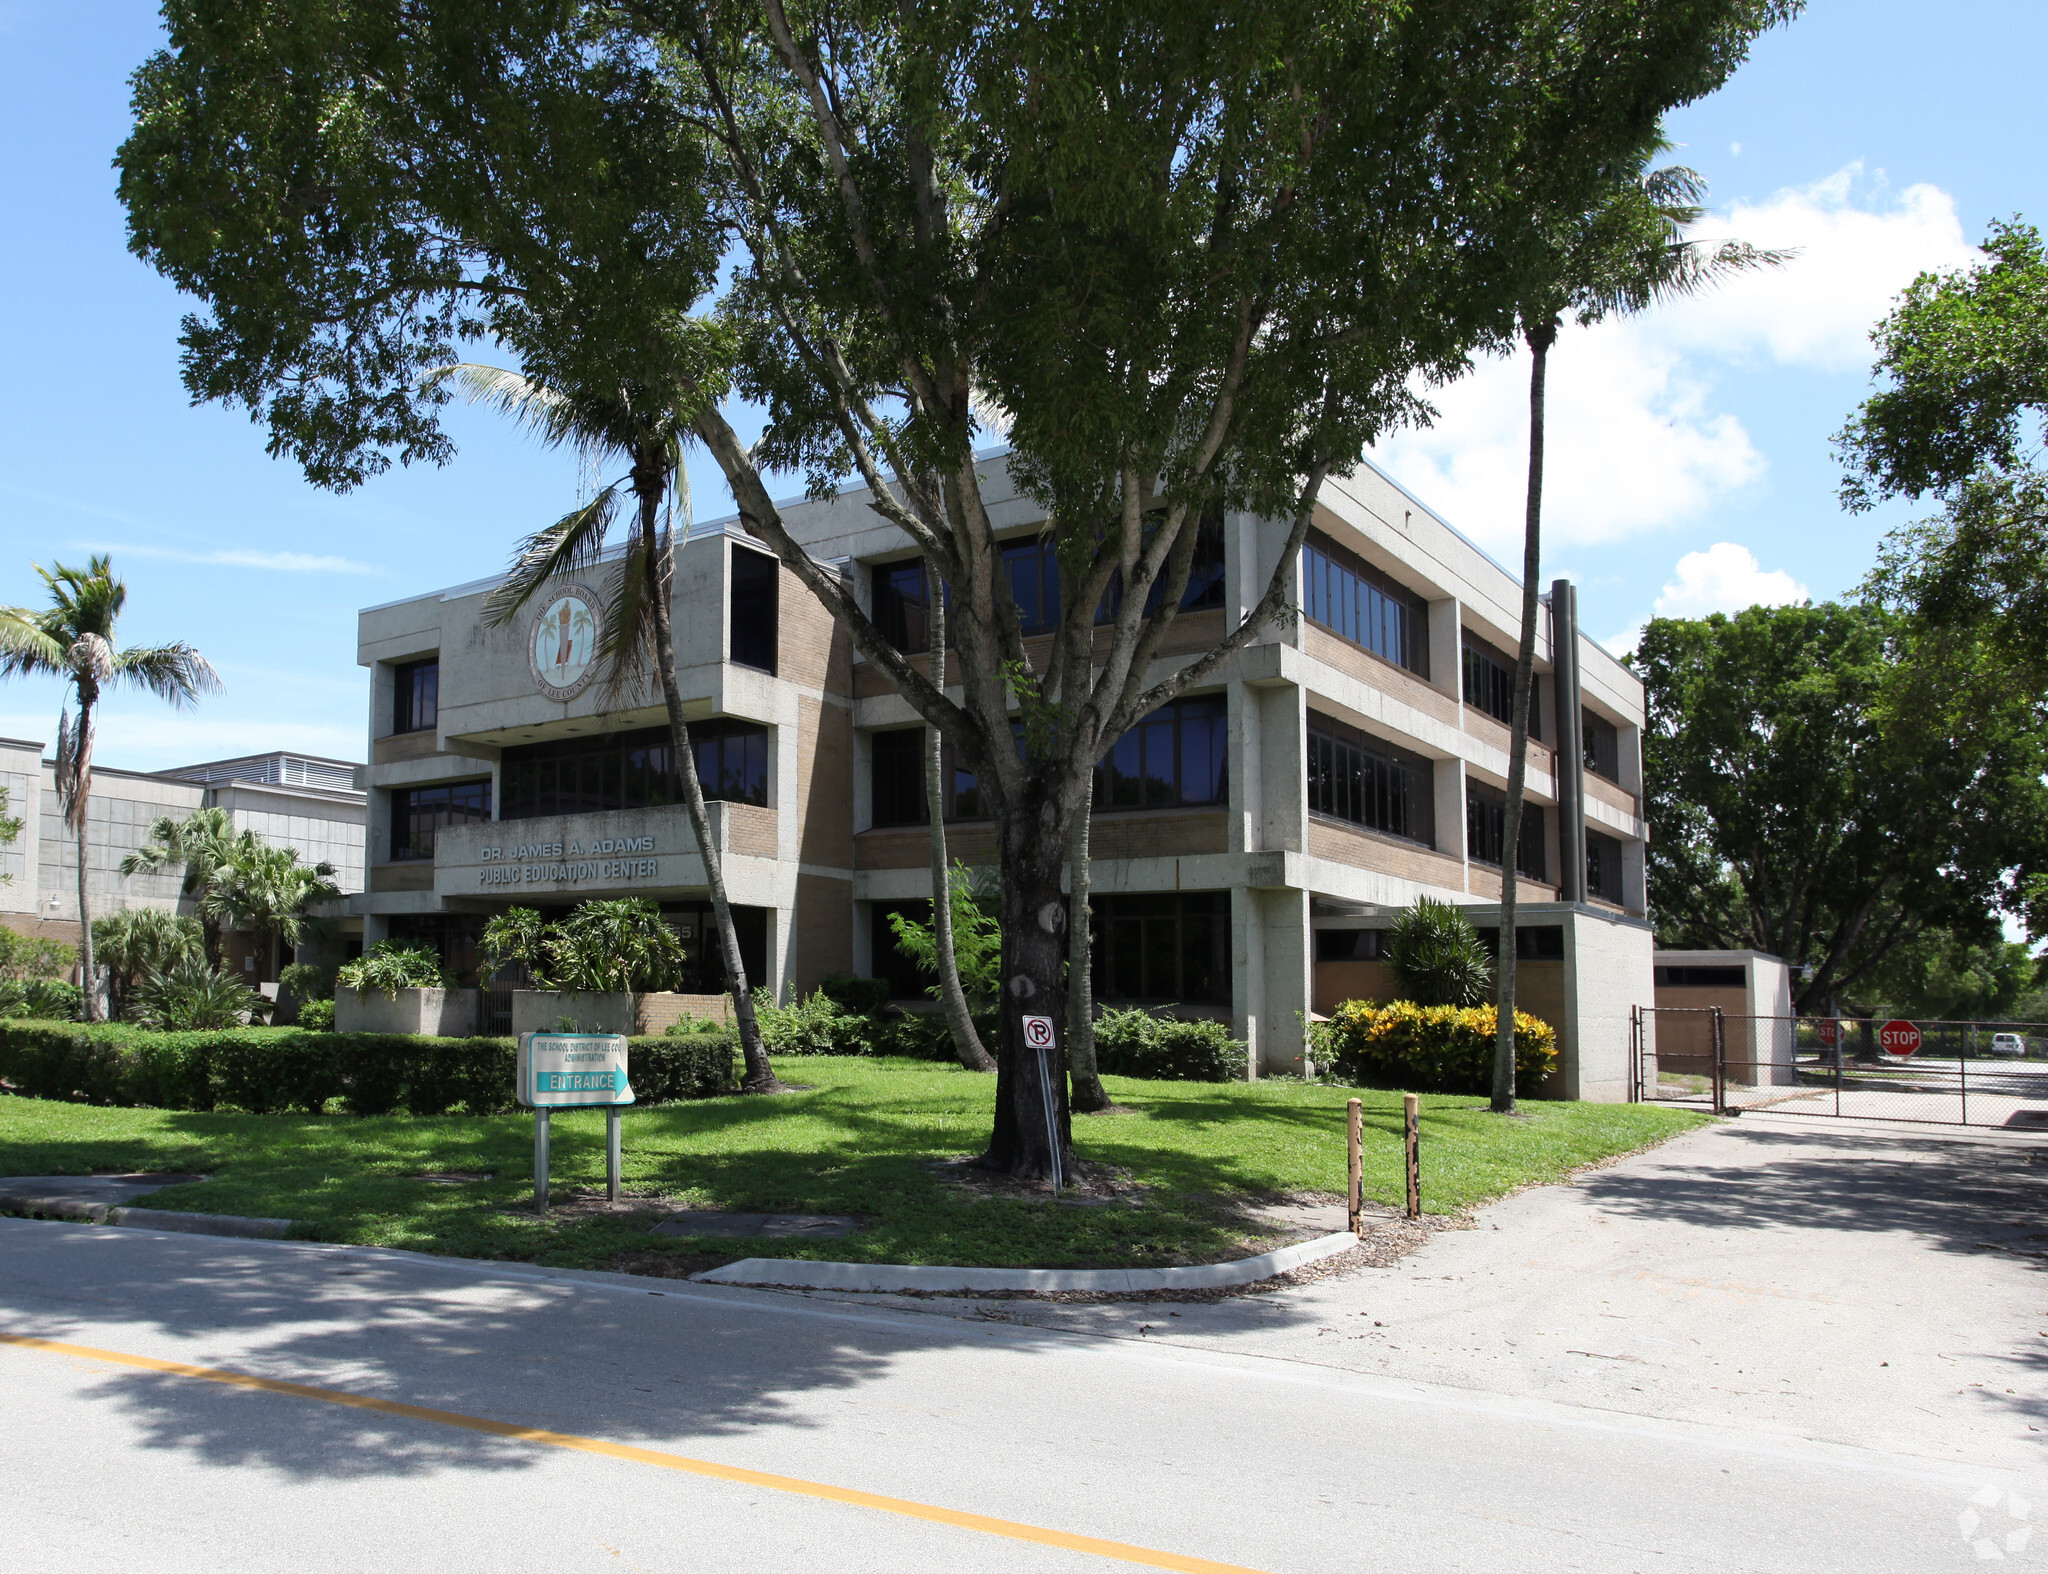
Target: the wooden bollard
(1354, 1193)
(1411, 1119)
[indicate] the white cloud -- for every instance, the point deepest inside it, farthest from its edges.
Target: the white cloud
(233, 557)
(1725, 578)
(1635, 443)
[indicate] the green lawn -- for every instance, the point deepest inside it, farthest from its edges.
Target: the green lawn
(854, 1144)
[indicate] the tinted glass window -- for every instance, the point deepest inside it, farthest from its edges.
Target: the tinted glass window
(1603, 866)
(1169, 948)
(902, 608)
(418, 812)
(416, 695)
(1490, 683)
(1205, 576)
(1344, 595)
(753, 609)
(632, 770)
(897, 777)
(1486, 817)
(907, 981)
(1603, 745)
(1177, 755)
(1034, 571)
(1350, 945)
(1358, 778)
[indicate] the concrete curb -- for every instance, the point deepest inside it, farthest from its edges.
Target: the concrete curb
(146, 1218)
(882, 1278)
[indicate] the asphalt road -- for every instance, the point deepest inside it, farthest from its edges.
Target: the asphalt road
(1753, 1420)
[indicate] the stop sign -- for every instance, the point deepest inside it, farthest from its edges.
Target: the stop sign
(1830, 1031)
(1898, 1038)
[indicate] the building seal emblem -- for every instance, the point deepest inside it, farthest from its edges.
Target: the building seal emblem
(562, 647)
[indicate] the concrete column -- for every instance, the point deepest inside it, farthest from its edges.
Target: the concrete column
(863, 780)
(781, 954)
(1450, 810)
(1246, 774)
(1278, 939)
(1446, 665)
(1248, 975)
(1281, 765)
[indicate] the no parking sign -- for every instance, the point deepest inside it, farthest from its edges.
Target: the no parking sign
(1038, 1033)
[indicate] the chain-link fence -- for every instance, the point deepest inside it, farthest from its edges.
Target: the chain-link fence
(1949, 1073)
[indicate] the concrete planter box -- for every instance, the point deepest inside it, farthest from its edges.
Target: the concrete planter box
(438, 1013)
(538, 1010)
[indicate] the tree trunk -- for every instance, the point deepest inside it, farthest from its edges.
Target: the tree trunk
(1088, 1095)
(966, 1042)
(1540, 337)
(1034, 959)
(94, 1011)
(659, 565)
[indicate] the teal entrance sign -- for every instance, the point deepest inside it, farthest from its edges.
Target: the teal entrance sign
(573, 1071)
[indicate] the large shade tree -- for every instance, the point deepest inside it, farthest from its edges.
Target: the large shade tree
(1828, 788)
(73, 638)
(1198, 254)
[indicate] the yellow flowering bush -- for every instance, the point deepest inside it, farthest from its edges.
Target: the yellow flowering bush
(1431, 1049)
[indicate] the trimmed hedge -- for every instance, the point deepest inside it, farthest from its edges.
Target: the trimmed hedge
(1135, 1043)
(262, 1070)
(1432, 1049)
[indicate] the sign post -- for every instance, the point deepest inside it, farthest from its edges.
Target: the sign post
(1040, 1037)
(573, 1071)
(1898, 1038)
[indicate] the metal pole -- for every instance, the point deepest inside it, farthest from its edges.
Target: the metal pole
(1411, 1119)
(1963, 1068)
(1720, 1065)
(1052, 1122)
(612, 1123)
(1354, 1194)
(540, 1159)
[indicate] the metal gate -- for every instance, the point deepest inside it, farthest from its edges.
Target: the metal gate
(1951, 1073)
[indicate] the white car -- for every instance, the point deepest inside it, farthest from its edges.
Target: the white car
(2010, 1044)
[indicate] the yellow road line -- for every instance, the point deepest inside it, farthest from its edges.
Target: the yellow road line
(795, 1485)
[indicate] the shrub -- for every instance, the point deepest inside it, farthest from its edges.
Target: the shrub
(859, 997)
(267, 1069)
(190, 994)
(387, 967)
(615, 946)
(1431, 1049)
(307, 981)
(34, 956)
(52, 999)
(814, 1026)
(690, 1026)
(1438, 957)
(1138, 1043)
(317, 1015)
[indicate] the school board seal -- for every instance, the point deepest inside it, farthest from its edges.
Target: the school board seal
(562, 649)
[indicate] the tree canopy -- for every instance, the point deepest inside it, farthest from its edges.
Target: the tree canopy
(1828, 784)
(1185, 255)
(1965, 357)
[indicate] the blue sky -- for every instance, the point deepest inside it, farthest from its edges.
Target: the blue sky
(1690, 448)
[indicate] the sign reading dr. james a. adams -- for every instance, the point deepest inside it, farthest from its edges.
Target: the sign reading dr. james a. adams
(564, 1070)
(561, 648)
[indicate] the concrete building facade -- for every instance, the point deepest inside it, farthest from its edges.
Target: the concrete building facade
(1251, 844)
(288, 800)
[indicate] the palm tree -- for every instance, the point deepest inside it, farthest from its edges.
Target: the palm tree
(73, 639)
(268, 891)
(966, 1042)
(606, 419)
(1627, 254)
(207, 844)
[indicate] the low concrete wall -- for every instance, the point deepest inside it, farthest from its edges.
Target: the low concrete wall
(539, 1010)
(438, 1013)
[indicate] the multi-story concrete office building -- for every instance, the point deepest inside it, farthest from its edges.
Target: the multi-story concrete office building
(288, 800)
(1251, 842)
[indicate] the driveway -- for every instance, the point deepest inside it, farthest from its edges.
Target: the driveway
(1874, 1285)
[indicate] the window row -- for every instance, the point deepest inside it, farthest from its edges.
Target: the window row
(1486, 819)
(1342, 593)
(419, 813)
(902, 592)
(1355, 777)
(1172, 948)
(1177, 757)
(632, 770)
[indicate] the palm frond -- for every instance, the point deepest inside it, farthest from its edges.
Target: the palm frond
(27, 647)
(574, 541)
(625, 650)
(535, 406)
(176, 673)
